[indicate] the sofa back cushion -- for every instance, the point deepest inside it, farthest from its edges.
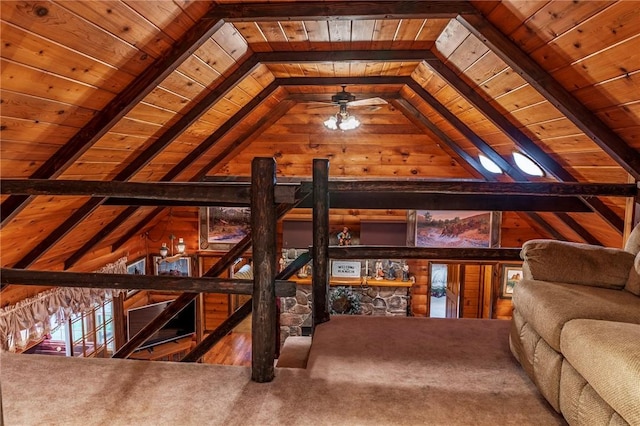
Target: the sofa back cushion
(633, 242)
(576, 263)
(633, 282)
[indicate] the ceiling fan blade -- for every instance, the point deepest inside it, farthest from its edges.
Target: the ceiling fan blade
(370, 101)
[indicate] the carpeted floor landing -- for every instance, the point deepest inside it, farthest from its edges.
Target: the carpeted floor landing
(360, 371)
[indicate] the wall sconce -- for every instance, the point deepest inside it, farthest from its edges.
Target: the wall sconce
(181, 249)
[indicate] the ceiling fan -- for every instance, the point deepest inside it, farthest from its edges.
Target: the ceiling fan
(342, 120)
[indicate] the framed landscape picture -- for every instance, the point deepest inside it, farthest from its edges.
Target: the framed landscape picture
(437, 228)
(138, 267)
(510, 277)
(222, 227)
(180, 267)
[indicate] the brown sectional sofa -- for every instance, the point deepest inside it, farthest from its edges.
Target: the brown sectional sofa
(576, 328)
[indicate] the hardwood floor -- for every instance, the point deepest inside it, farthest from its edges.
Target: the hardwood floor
(233, 349)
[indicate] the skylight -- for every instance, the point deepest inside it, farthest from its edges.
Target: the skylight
(489, 164)
(527, 165)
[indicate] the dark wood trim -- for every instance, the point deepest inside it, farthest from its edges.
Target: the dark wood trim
(341, 10)
(518, 137)
(185, 192)
(139, 282)
(420, 120)
(561, 189)
(117, 108)
(264, 318)
(320, 282)
(57, 234)
(445, 253)
(542, 224)
(477, 202)
(99, 236)
(132, 231)
(471, 161)
(263, 123)
(579, 229)
(626, 156)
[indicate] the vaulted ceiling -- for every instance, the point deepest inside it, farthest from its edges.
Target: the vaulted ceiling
(184, 91)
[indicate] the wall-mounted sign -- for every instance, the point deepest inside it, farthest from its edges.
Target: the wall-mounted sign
(345, 269)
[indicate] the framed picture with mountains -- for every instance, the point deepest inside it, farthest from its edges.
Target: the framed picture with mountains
(453, 228)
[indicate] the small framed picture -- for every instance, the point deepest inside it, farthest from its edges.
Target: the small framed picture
(138, 267)
(510, 277)
(180, 267)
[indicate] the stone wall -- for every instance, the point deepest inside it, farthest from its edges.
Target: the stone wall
(374, 300)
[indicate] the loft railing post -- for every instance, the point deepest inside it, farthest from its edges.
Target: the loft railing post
(320, 282)
(263, 229)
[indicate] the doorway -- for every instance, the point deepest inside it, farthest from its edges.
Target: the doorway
(438, 291)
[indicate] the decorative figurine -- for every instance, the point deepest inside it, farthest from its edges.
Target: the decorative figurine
(344, 237)
(405, 272)
(379, 271)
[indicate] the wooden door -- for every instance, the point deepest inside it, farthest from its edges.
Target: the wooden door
(454, 273)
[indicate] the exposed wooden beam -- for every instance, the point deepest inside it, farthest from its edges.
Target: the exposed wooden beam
(351, 56)
(579, 229)
(476, 202)
(416, 117)
(139, 282)
(240, 314)
(477, 187)
(539, 222)
(341, 10)
(411, 111)
(448, 253)
(200, 150)
(182, 301)
(130, 170)
(263, 123)
(185, 192)
(117, 108)
(626, 156)
(517, 136)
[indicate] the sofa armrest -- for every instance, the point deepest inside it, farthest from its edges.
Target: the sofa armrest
(575, 263)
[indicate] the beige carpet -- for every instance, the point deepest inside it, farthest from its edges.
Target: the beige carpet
(361, 371)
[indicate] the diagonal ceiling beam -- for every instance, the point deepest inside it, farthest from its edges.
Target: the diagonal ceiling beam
(149, 154)
(627, 157)
(413, 113)
(170, 175)
(117, 108)
(341, 10)
(518, 137)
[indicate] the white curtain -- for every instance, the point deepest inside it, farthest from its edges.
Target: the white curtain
(33, 314)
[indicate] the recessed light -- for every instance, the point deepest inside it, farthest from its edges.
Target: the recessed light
(527, 165)
(489, 164)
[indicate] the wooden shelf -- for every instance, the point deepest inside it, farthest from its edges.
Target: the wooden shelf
(356, 282)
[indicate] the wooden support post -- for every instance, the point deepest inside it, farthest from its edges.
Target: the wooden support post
(320, 282)
(263, 229)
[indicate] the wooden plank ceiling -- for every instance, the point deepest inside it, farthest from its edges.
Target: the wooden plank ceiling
(183, 91)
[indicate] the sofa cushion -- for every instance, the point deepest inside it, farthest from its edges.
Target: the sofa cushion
(576, 263)
(548, 306)
(607, 355)
(633, 282)
(633, 242)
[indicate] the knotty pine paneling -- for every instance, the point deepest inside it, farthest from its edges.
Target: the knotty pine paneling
(38, 52)
(471, 295)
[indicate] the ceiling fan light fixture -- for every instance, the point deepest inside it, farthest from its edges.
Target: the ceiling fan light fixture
(489, 165)
(331, 123)
(349, 124)
(527, 165)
